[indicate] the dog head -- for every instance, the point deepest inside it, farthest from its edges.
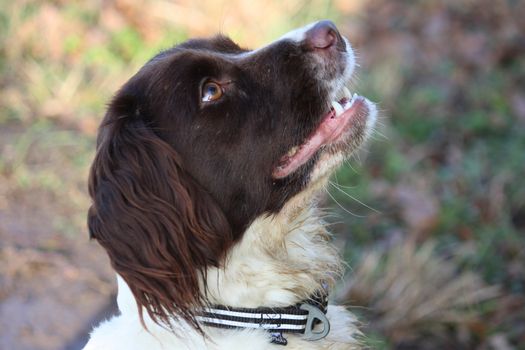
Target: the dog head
(205, 138)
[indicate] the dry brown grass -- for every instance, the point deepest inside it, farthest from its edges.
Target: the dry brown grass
(410, 291)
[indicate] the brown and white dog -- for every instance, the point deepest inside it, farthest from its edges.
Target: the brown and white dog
(204, 188)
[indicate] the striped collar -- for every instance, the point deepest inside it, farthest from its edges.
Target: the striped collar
(299, 318)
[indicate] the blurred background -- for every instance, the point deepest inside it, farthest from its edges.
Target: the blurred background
(430, 217)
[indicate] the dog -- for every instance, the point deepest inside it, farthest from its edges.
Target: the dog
(209, 164)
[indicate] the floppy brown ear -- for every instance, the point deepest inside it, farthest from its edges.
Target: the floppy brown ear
(159, 227)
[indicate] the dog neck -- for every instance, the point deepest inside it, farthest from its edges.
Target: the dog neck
(281, 260)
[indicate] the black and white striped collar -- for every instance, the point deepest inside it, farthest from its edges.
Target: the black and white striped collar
(299, 318)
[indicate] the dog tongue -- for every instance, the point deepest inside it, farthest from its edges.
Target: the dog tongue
(328, 131)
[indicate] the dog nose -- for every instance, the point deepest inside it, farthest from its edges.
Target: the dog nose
(322, 35)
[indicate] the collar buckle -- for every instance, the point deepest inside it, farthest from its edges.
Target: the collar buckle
(314, 313)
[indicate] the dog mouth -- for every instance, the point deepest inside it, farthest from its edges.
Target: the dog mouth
(333, 128)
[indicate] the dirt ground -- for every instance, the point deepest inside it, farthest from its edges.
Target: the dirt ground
(44, 275)
(54, 283)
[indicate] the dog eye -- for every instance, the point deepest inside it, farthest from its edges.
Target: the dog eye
(211, 92)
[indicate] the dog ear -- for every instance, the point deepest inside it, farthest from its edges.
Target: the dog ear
(159, 227)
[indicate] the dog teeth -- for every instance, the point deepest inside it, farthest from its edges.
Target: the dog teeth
(347, 93)
(351, 101)
(292, 151)
(337, 108)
